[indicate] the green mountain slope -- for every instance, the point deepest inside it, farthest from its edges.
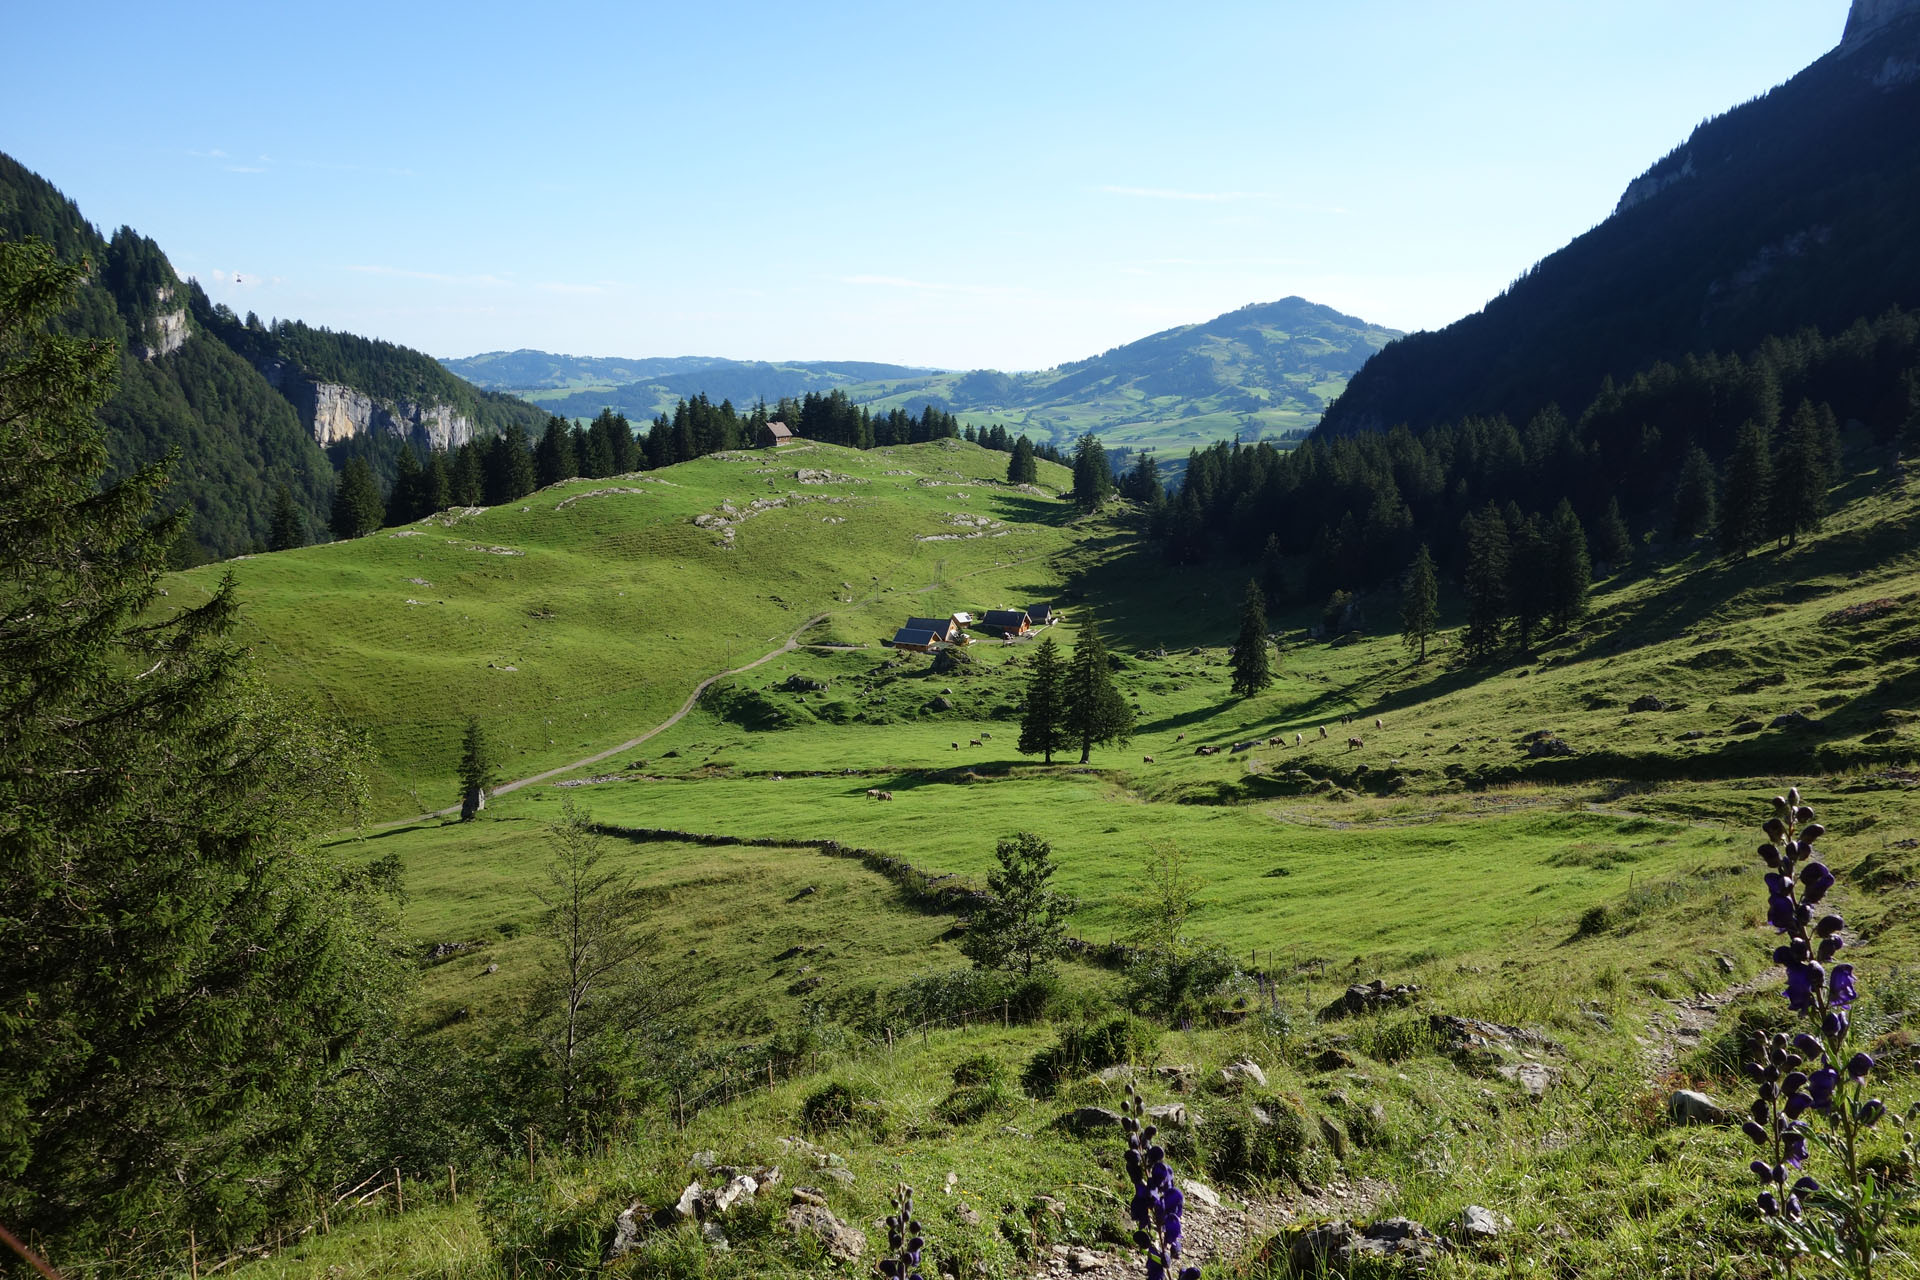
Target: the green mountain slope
(247, 408)
(1793, 209)
(1260, 371)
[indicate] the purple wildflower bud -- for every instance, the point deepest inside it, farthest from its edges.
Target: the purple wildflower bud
(1793, 1207)
(1815, 880)
(1795, 1146)
(1822, 1085)
(1784, 954)
(1829, 948)
(1807, 1044)
(1871, 1111)
(1780, 912)
(1759, 1111)
(1761, 1170)
(1775, 829)
(1803, 980)
(1840, 992)
(1829, 925)
(1795, 1081)
(1768, 1205)
(1770, 855)
(1834, 1025)
(1806, 1186)
(1756, 1131)
(1858, 1066)
(1797, 1104)
(1189, 1273)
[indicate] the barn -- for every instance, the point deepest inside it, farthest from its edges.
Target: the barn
(1042, 615)
(774, 434)
(943, 628)
(919, 641)
(1006, 622)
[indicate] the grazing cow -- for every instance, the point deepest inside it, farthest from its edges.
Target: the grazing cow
(956, 746)
(1323, 731)
(1299, 738)
(985, 734)
(973, 742)
(1146, 759)
(1354, 742)
(1378, 725)
(873, 793)
(886, 795)
(1179, 737)
(1275, 742)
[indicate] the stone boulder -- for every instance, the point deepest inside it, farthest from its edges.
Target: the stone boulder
(842, 1242)
(1245, 1071)
(1791, 720)
(1541, 748)
(1090, 1120)
(1341, 1246)
(628, 1229)
(1478, 1223)
(1685, 1106)
(1372, 997)
(1647, 702)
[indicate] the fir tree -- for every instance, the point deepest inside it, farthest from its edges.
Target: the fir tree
(1529, 576)
(1569, 571)
(1043, 710)
(1695, 509)
(1488, 556)
(1021, 468)
(1252, 670)
(180, 976)
(1092, 476)
(1095, 713)
(468, 473)
(1801, 478)
(1743, 509)
(1273, 569)
(288, 528)
(509, 467)
(436, 487)
(357, 508)
(553, 457)
(1612, 544)
(478, 774)
(1142, 483)
(1420, 603)
(1023, 923)
(405, 503)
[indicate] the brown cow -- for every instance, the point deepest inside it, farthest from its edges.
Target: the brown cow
(1354, 742)
(1146, 759)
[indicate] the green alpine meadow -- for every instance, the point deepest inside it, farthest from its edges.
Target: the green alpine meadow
(1417, 780)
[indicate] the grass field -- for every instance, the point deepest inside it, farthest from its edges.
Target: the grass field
(1587, 898)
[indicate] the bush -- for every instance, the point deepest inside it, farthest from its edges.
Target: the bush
(1178, 984)
(950, 995)
(829, 1107)
(1090, 1048)
(1258, 1138)
(981, 1068)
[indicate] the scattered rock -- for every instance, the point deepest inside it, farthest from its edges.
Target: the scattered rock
(1535, 1077)
(810, 1195)
(689, 1202)
(1543, 747)
(1245, 1071)
(1791, 720)
(1480, 1223)
(967, 1214)
(1693, 735)
(1686, 1106)
(1169, 1115)
(739, 1190)
(1747, 726)
(1090, 1120)
(713, 1237)
(1370, 998)
(1342, 1244)
(1081, 1261)
(627, 1230)
(842, 1176)
(704, 1160)
(940, 704)
(842, 1242)
(1646, 702)
(1333, 1059)
(1201, 1196)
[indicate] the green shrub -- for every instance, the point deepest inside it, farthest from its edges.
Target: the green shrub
(831, 1106)
(1177, 985)
(1264, 1137)
(1395, 1038)
(1088, 1047)
(980, 1068)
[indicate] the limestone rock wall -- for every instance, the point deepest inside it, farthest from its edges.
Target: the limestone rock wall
(166, 333)
(1867, 17)
(334, 412)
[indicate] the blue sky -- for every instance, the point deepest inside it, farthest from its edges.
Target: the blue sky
(963, 185)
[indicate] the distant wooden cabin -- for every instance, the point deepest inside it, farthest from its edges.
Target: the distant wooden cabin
(775, 434)
(943, 628)
(1042, 615)
(917, 639)
(1006, 622)
(964, 618)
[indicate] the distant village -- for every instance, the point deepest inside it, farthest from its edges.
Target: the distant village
(924, 635)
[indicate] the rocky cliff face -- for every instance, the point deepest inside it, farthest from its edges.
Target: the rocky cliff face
(334, 412)
(1869, 17)
(165, 333)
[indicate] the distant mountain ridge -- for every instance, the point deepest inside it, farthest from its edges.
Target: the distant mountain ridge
(247, 406)
(1261, 370)
(1795, 209)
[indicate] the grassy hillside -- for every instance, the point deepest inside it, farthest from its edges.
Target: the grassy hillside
(586, 613)
(1602, 906)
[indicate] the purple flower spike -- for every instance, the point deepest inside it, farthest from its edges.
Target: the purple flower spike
(1815, 880)
(1797, 1105)
(1858, 1066)
(1840, 988)
(1768, 1205)
(1807, 1045)
(1795, 1145)
(1780, 912)
(1822, 1085)
(1834, 1025)
(1803, 980)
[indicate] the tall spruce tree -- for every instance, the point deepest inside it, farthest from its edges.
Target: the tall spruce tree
(288, 528)
(1021, 468)
(1096, 714)
(1023, 923)
(509, 467)
(1611, 543)
(406, 503)
(1092, 475)
(357, 508)
(478, 772)
(1801, 475)
(1529, 575)
(1569, 571)
(1252, 669)
(436, 486)
(1043, 709)
(179, 973)
(1420, 603)
(1743, 506)
(1488, 556)
(1695, 505)
(553, 457)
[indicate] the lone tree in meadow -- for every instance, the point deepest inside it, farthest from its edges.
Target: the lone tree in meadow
(1252, 669)
(1611, 543)
(478, 776)
(1021, 468)
(1023, 924)
(1043, 710)
(1801, 476)
(1095, 711)
(1092, 473)
(1420, 603)
(1569, 571)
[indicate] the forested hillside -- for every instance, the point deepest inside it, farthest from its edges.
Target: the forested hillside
(1793, 209)
(191, 382)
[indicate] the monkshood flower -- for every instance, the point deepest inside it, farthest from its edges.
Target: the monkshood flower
(1813, 1073)
(904, 1241)
(1157, 1202)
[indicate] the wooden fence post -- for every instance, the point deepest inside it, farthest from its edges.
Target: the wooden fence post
(399, 1196)
(453, 1187)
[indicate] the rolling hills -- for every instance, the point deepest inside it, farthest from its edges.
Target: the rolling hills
(1261, 371)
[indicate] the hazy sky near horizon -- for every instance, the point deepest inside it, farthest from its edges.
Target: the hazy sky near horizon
(980, 185)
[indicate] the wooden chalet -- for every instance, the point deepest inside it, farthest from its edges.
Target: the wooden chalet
(1042, 615)
(1006, 622)
(921, 641)
(774, 434)
(943, 628)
